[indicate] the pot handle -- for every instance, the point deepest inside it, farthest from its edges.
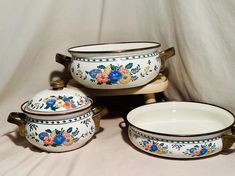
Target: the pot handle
(98, 112)
(228, 140)
(18, 119)
(164, 55)
(63, 59)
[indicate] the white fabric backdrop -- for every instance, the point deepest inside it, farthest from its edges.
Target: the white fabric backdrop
(202, 32)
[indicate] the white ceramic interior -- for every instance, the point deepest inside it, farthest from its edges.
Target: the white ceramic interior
(114, 47)
(180, 118)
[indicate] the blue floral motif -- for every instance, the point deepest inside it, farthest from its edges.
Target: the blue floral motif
(114, 76)
(42, 135)
(144, 142)
(56, 103)
(155, 147)
(201, 150)
(59, 139)
(65, 99)
(51, 102)
(94, 72)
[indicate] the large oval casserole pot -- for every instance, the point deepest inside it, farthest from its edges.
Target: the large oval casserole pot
(115, 65)
(181, 129)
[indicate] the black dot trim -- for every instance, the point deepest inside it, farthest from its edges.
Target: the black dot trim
(132, 130)
(58, 122)
(86, 59)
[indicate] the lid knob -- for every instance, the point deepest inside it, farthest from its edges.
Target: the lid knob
(57, 84)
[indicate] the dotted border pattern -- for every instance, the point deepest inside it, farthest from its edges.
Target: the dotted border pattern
(87, 59)
(173, 141)
(59, 122)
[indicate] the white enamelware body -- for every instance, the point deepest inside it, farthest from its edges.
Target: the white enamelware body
(53, 134)
(179, 129)
(115, 66)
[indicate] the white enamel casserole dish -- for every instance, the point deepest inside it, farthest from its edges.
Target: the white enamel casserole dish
(181, 129)
(115, 65)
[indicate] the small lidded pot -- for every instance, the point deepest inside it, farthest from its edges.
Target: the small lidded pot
(58, 119)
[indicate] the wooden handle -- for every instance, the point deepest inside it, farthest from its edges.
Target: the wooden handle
(18, 119)
(164, 55)
(99, 112)
(64, 60)
(228, 141)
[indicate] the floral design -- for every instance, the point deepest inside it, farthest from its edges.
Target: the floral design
(60, 134)
(155, 147)
(93, 73)
(60, 137)
(174, 149)
(54, 103)
(102, 77)
(126, 78)
(115, 71)
(57, 103)
(112, 74)
(56, 137)
(201, 150)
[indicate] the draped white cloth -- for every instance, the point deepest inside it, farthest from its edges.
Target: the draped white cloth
(32, 32)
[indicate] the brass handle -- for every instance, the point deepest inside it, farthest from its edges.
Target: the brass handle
(99, 112)
(18, 119)
(164, 55)
(57, 84)
(233, 130)
(227, 141)
(64, 60)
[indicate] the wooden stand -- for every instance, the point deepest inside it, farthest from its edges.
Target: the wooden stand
(159, 84)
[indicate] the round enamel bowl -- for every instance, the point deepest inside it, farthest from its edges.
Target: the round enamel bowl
(181, 129)
(58, 119)
(115, 65)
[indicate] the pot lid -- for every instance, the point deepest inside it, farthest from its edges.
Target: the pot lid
(58, 100)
